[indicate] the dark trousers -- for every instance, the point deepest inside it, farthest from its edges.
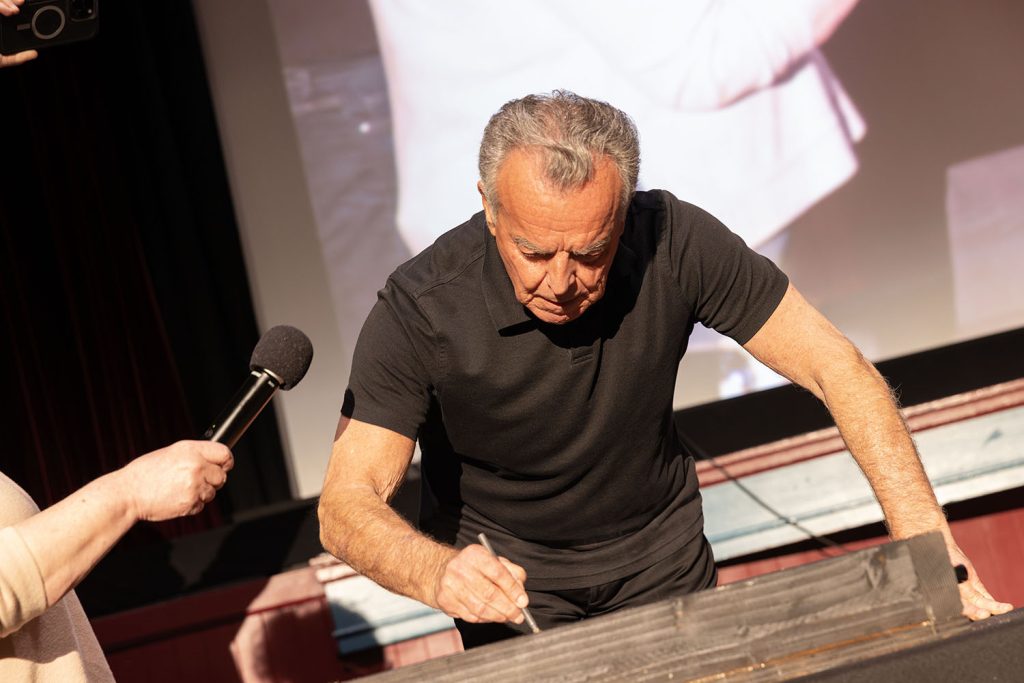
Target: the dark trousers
(555, 608)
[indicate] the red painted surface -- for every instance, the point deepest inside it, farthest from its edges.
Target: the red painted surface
(267, 630)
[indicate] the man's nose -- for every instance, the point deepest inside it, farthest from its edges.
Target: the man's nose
(562, 276)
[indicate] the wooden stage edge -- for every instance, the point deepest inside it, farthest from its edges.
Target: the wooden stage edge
(774, 627)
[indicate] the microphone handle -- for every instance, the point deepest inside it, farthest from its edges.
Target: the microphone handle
(243, 408)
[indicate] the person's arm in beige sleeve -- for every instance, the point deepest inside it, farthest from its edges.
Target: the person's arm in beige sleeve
(66, 540)
(801, 344)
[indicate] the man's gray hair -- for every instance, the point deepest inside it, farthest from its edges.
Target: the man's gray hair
(570, 132)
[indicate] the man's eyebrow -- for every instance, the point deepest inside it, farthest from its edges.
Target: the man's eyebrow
(529, 246)
(532, 248)
(594, 248)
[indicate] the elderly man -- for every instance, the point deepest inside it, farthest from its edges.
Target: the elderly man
(532, 351)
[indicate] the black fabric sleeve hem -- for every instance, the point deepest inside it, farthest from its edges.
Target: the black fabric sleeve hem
(378, 418)
(751, 327)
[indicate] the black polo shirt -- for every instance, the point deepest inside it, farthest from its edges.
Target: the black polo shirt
(558, 440)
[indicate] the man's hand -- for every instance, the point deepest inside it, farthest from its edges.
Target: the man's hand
(175, 481)
(978, 604)
(476, 586)
(9, 8)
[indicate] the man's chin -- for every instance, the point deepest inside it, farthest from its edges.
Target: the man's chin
(560, 316)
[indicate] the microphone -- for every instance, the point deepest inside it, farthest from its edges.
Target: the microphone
(279, 361)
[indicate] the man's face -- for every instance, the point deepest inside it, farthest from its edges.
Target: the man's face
(557, 246)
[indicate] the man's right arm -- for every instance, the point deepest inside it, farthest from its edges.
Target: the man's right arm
(368, 464)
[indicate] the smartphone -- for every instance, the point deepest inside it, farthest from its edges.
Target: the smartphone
(43, 23)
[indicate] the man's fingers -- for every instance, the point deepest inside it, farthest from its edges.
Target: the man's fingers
(214, 476)
(488, 582)
(468, 599)
(511, 581)
(990, 605)
(981, 589)
(492, 606)
(217, 453)
(514, 569)
(978, 604)
(207, 494)
(477, 587)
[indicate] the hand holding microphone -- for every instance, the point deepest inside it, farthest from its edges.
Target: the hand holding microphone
(66, 540)
(184, 477)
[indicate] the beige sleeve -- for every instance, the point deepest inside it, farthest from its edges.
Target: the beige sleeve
(22, 593)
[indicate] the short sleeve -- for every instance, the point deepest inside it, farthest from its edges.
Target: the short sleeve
(390, 383)
(730, 287)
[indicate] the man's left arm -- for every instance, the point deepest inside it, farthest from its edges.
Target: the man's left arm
(799, 343)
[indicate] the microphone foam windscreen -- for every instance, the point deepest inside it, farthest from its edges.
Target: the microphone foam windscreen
(286, 352)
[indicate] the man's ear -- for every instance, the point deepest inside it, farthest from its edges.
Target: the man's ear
(487, 207)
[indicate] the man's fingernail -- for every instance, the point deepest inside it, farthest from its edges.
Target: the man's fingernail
(521, 601)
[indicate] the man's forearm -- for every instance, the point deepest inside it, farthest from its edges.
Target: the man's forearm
(798, 342)
(377, 542)
(868, 418)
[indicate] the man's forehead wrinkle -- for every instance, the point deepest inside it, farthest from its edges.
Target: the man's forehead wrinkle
(540, 219)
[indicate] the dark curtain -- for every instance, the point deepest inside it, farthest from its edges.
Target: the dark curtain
(127, 318)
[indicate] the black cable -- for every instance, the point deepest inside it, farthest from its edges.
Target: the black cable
(696, 450)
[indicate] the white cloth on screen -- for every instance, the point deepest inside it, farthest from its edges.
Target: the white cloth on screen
(737, 111)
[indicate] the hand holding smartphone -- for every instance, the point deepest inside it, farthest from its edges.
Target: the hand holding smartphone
(37, 24)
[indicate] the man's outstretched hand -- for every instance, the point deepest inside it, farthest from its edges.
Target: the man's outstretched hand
(978, 603)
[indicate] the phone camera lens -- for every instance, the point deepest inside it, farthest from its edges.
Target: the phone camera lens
(82, 10)
(48, 22)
